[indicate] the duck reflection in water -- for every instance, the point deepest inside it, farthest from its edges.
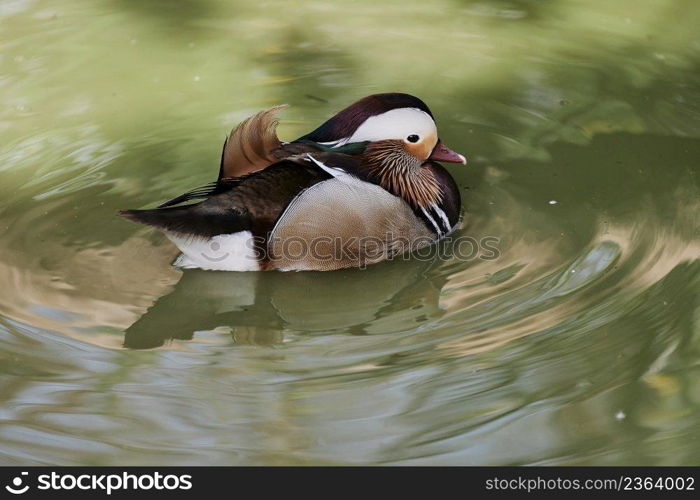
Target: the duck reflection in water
(259, 307)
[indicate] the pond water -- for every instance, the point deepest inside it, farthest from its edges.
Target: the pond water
(578, 344)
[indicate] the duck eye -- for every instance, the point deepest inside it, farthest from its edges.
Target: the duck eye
(413, 138)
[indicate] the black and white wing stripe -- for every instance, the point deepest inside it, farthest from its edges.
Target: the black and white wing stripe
(334, 171)
(436, 219)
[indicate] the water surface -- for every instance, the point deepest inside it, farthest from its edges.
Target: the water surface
(579, 344)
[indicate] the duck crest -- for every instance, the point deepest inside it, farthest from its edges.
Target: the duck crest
(387, 164)
(345, 122)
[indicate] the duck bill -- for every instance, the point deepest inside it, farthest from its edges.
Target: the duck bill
(443, 153)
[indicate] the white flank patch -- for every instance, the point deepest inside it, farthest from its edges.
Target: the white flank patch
(395, 124)
(223, 252)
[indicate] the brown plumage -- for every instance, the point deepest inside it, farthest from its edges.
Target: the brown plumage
(251, 146)
(388, 164)
(348, 223)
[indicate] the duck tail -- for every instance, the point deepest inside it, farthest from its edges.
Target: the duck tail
(162, 218)
(196, 220)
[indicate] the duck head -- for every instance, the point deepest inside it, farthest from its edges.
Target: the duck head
(402, 141)
(402, 119)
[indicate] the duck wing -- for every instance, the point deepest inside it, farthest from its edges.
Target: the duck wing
(200, 192)
(249, 203)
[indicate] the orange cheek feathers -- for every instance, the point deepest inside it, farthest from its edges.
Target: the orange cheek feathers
(422, 149)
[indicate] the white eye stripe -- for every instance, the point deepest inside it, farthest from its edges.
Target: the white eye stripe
(394, 124)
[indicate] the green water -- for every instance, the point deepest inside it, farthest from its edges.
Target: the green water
(579, 344)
